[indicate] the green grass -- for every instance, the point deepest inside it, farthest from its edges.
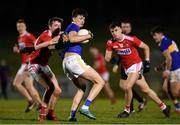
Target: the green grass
(12, 112)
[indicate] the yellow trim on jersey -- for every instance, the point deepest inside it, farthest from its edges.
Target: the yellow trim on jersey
(171, 48)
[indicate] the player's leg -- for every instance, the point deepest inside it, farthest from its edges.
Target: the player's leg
(147, 90)
(167, 89)
(107, 88)
(75, 66)
(142, 102)
(81, 85)
(98, 84)
(109, 92)
(132, 78)
(52, 93)
(35, 72)
(17, 83)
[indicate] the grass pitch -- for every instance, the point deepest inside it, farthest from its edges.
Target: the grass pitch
(12, 112)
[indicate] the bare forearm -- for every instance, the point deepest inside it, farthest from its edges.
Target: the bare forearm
(147, 53)
(77, 39)
(42, 45)
(168, 64)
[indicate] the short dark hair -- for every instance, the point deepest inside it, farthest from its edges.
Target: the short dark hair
(51, 20)
(21, 21)
(79, 11)
(114, 24)
(126, 21)
(157, 29)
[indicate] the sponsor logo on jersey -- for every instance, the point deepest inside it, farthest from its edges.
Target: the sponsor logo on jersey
(124, 51)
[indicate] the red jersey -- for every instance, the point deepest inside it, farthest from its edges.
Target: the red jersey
(42, 56)
(102, 64)
(126, 50)
(25, 40)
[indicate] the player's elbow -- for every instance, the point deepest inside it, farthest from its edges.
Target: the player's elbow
(146, 48)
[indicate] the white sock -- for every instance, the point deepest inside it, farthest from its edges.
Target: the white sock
(85, 107)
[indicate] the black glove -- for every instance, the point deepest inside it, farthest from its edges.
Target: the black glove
(146, 65)
(115, 60)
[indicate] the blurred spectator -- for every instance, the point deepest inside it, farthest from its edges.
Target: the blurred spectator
(4, 71)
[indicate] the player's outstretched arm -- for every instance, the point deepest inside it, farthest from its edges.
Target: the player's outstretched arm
(75, 38)
(47, 43)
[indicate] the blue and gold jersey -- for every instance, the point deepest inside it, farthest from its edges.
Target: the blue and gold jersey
(170, 45)
(71, 47)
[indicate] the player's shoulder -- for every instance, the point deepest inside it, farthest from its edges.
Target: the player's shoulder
(166, 41)
(45, 33)
(72, 27)
(130, 38)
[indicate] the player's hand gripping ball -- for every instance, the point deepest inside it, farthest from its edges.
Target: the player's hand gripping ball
(85, 32)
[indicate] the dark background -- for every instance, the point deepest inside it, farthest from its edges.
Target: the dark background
(144, 14)
(101, 13)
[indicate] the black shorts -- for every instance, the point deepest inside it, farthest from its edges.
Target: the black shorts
(123, 75)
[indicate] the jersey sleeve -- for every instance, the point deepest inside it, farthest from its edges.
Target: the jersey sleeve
(109, 45)
(43, 38)
(32, 39)
(165, 45)
(136, 41)
(73, 28)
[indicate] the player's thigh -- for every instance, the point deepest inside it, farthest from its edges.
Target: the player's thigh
(142, 84)
(175, 88)
(122, 83)
(28, 81)
(42, 81)
(92, 75)
(80, 83)
(131, 80)
(165, 85)
(19, 78)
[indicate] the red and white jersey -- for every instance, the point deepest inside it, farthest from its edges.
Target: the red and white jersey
(42, 56)
(102, 64)
(126, 49)
(25, 40)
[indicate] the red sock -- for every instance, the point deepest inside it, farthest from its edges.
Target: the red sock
(162, 106)
(127, 109)
(51, 111)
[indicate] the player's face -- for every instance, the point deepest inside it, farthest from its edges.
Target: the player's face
(55, 25)
(21, 27)
(157, 37)
(79, 20)
(126, 28)
(116, 32)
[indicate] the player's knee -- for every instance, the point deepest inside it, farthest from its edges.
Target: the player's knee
(57, 92)
(146, 90)
(176, 93)
(99, 81)
(128, 88)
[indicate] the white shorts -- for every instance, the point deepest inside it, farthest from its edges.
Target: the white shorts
(105, 76)
(175, 76)
(74, 66)
(134, 68)
(37, 70)
(22, 69)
